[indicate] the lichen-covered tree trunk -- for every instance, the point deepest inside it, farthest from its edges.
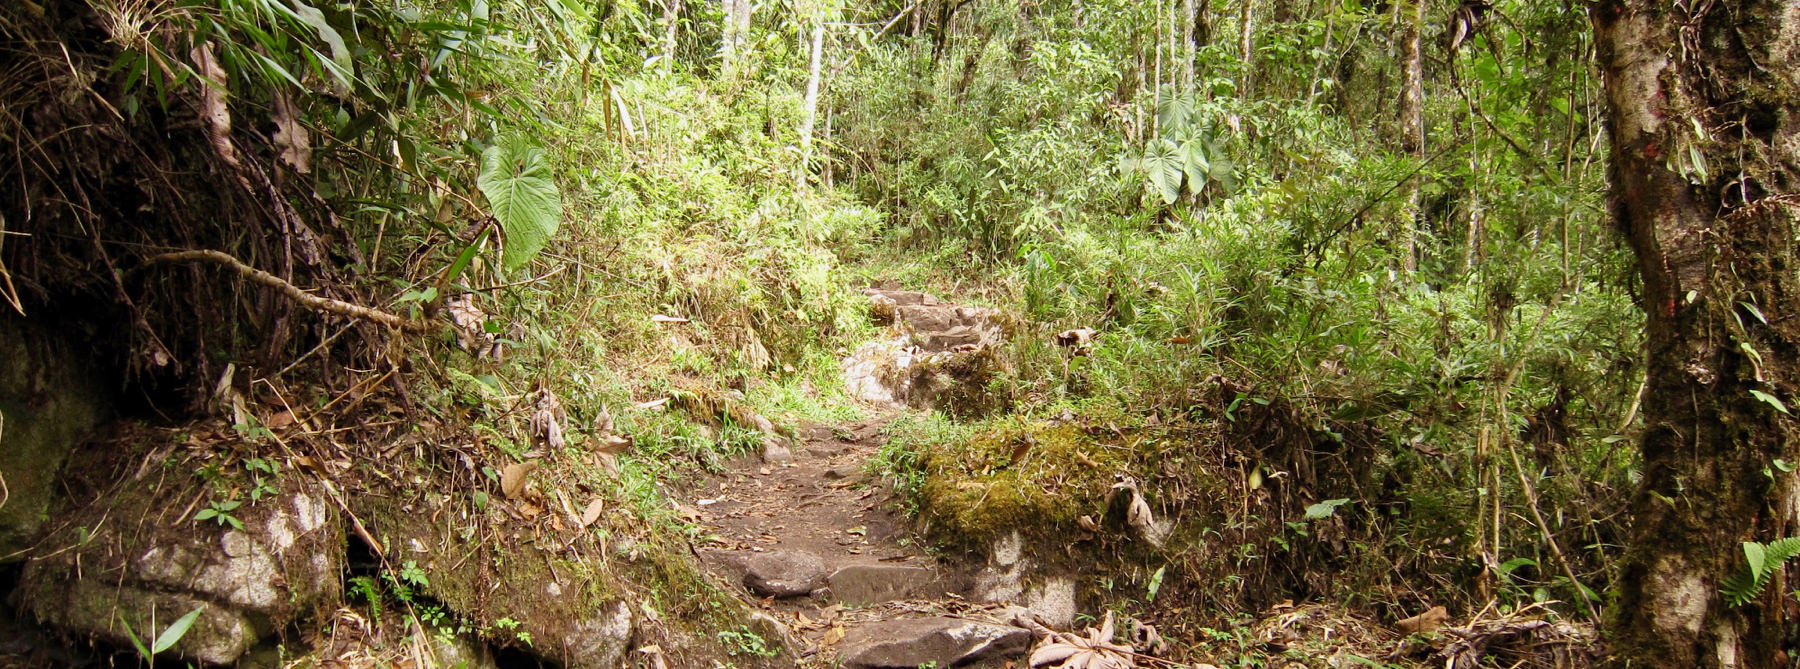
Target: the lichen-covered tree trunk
(812, 97)
(1701, 101)
(1247, 44)
(1411, 15)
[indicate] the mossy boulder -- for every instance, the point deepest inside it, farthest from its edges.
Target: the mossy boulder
(131, 557)
(50, 398)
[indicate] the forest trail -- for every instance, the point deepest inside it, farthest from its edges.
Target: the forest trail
(821, 544)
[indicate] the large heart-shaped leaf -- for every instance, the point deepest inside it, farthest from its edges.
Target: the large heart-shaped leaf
(1163, 164)
(516, 179)
(1195, 164)
(1173, 113)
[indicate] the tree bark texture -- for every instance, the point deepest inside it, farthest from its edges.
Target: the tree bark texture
(1701, 100)
(1247, 43)
(728, 35)
(1411, 15)
(812, 98)
(671, 33)
(1188, 50)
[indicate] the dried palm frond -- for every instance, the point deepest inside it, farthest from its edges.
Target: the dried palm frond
(1093, 650)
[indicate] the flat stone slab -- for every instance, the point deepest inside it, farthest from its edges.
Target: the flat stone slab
(784, 573)
(941, 642)
(865, 584)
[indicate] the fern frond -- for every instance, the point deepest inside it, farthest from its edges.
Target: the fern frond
(1760, 563)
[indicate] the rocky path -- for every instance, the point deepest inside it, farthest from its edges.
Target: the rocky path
(819, 540)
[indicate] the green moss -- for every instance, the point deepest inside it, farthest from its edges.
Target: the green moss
(1034, 475)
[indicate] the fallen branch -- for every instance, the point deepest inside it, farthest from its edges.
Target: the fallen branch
(292, 292)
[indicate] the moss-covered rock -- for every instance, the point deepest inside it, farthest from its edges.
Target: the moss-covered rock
(50, 397)
(131, 557)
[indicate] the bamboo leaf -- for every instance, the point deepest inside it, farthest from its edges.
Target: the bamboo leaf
(178, 629)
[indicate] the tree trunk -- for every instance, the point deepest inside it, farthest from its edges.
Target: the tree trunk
(669, 33)
(1705, 169)
(1246, 42)
(812, 98)
(1411, 14)
(733, 29)
(1188, 49)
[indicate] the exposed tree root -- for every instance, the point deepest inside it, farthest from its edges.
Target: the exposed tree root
(293, 292)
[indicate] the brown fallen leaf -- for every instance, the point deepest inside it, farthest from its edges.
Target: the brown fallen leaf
(1021, 449)
(512, 479)
(604, 423)
(614, 444)
(656, 656)
(1425, 623)
(290, 134)
(592, 513)
(279, 420)
(1087, 524)
(1138, 514)
(833, 635)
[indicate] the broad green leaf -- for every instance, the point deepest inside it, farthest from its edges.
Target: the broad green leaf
(1163, 164)
(1222, 170)
(1753, 554)
(179, 629)
(1771, 400)
(1195, 165)
(1508, 566)
(1174, 113)
(515, 177)
(1325, 509)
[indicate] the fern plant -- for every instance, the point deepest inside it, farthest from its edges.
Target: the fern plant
(1761, 561)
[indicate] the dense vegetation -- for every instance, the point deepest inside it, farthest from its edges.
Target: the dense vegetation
(1363, 308)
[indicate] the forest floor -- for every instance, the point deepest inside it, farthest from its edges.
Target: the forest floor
(824, 544)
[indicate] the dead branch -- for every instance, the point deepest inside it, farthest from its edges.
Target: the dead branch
(292, 292)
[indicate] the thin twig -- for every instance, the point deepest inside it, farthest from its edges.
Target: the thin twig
(292, 292)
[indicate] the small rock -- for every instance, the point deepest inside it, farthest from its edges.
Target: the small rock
(864, 584)
(1053, 601)
(775, 450)
(827, 449)
(942, 642)
(460, 652)
(843, 472)
(784, 573)
(600, 642)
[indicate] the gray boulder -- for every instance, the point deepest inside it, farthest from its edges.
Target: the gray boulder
(784, 573)
(947, 642)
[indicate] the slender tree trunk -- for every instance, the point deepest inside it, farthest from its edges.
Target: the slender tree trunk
(1188, 49)
(669, 33)
(1156, 57)
(812, 98)
(727, 33)
(1411, 14)
(1246, 44)
(740, 25)
(734, 31)
(1705, 169)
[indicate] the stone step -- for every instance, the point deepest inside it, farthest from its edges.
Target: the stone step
(867, 584)
(938, 642)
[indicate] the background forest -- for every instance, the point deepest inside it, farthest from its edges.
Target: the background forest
(1353, 312)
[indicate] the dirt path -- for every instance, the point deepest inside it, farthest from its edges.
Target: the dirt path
(822, 546)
